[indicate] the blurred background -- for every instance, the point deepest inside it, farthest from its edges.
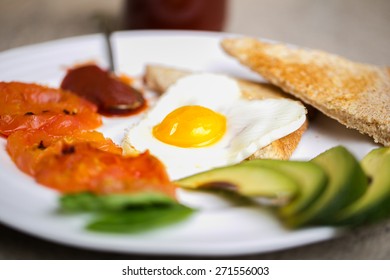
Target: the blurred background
(358, 29)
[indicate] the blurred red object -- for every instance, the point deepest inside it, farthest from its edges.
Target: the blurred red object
(175, 14)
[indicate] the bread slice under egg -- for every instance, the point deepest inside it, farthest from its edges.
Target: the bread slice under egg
(159, 78)
(355, 94)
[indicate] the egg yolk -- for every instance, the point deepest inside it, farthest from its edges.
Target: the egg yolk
(190, 127)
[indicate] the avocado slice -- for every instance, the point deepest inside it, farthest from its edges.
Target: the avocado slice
(311, 180)
(347, 182)
(375, 203)
(247, 180)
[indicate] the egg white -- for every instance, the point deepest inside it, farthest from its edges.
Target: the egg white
(251, 125)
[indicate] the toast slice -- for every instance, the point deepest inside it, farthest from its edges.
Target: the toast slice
(355, 94)
(159, 78)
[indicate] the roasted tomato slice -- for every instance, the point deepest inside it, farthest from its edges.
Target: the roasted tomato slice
(30, 106)
(28, 148)
(82, 167)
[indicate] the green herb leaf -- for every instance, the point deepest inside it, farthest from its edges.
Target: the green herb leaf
(82, 202)
(126, 213)
(136, 220)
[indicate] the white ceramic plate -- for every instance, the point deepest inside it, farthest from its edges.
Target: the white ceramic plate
(218, 228)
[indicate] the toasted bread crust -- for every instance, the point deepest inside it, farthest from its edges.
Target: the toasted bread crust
(355, 94)
(159, 78)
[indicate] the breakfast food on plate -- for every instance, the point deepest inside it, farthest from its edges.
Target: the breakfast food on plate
(109, 93)
(327, 185)
(311, 179)
(160, 78)
(248, 180)
(49, 138)
(202, 121)
(30, 106)
(331, 189)
(374, 205)
(83, 168)
(355, 94)
(203, 127)
(346, 183)
(121, 213)
(28, 148)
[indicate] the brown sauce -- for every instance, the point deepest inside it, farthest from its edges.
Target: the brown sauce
(111, 95)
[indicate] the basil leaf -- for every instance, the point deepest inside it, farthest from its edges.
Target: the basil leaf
(82, 202)
(136, 220)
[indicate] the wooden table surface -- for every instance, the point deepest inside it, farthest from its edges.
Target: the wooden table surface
(357, 29)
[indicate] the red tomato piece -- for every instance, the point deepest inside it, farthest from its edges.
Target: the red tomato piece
(30, 106)
(28, 148)
(81, 167)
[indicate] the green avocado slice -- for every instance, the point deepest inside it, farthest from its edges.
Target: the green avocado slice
(311, 180)
(347, 182)
(247, 180)
(375, 203)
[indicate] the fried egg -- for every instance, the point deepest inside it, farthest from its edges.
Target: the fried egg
(202, 122)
